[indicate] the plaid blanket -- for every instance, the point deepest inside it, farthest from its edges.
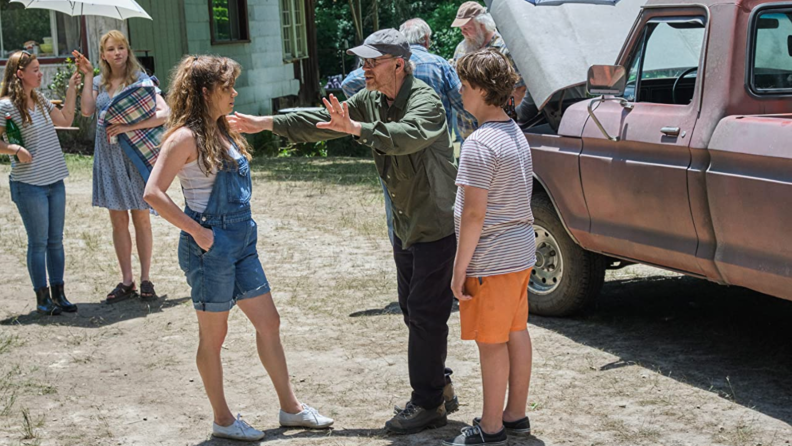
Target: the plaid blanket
(131, 105)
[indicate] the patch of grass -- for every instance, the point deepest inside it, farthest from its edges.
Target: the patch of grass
(339, 171)
(80, 163)
(29, 425)
(9, 342)
(8, 398)
(91, 240)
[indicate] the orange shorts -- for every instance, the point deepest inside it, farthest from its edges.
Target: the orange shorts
(499, 307)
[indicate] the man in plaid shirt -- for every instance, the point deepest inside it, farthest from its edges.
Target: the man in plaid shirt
(430, 68)
(479, 30)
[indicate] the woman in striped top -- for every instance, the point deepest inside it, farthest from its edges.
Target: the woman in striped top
(37, 173)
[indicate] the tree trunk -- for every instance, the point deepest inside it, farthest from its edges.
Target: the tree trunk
(357, 19)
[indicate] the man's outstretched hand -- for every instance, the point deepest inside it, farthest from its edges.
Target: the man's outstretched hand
(243, 123)
(339, 118)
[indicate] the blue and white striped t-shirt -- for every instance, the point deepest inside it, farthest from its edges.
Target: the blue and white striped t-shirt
(38, 138)
(497, 157)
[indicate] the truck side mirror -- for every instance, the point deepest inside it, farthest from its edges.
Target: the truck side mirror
(606, 79)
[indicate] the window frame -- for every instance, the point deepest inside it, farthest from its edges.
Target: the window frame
(57, 60)
(244, 21)
(750, 53)
(296, 54)
(642, 41)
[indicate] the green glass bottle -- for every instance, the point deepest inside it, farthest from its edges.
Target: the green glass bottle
(13, 135)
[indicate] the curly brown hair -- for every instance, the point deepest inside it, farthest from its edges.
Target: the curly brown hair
(191, 109)
(491, 71)
(12, 86)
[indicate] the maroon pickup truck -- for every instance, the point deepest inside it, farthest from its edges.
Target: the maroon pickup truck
(685, 162)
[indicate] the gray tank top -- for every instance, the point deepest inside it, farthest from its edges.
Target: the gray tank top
(196, 185)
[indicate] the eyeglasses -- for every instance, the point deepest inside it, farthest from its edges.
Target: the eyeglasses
(373, 63)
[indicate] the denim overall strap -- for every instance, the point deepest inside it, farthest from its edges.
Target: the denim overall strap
(229, 201)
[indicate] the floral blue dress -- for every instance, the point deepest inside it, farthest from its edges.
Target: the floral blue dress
(117, 184)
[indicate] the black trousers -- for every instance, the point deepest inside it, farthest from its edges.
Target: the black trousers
(424, 277)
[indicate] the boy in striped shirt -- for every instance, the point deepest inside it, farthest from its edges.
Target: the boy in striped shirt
(496, 251)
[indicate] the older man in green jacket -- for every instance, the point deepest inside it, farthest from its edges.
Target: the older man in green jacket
(403, 121)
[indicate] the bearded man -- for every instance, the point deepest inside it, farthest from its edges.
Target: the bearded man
(479, 32)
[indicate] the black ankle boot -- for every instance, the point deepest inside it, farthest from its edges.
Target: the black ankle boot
(60, 299)
(44, 304)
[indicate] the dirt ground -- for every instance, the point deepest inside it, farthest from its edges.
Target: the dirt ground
(663, 360)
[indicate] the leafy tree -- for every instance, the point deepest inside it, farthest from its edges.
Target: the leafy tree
(342, 24)
(20, 25)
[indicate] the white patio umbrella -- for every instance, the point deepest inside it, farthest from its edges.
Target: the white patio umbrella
(117, 9)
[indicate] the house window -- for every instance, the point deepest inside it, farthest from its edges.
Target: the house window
(228, 21)
(295, 42)
(50, 33)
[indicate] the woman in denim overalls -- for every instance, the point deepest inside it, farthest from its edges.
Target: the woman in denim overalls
(217, 248)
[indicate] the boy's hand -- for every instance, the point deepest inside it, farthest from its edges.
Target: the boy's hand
(458, 287)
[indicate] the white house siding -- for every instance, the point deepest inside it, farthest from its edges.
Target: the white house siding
(264, 75)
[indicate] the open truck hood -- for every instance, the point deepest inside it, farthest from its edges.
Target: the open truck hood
(554, 46)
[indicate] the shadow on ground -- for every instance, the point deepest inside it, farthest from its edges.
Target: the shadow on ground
(726, 340)
(392, 308)
(428, 437)
(95, 315)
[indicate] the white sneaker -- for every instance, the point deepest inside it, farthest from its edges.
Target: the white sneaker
(240, 430)
(309, 417)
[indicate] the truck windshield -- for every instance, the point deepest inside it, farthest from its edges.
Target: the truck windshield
(772, 52)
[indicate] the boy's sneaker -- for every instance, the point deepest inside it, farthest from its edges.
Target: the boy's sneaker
(239, 430)
(414, 419)
(449, 397)
(520, 427)
(308, 417)
(473, 435)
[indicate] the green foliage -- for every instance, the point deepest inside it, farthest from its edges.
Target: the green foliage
(60, 82)
(222, 26)
(270, 145)
(444, 38)
(20, 25)
(73, 141)
(336, 30)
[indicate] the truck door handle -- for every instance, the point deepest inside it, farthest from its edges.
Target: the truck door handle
(670, 131)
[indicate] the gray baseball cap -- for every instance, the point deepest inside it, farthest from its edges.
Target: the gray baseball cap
(385, 41)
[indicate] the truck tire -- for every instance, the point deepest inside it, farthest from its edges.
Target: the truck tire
(566, 278)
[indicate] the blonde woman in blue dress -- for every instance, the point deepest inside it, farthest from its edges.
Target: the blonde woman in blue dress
(117, 185)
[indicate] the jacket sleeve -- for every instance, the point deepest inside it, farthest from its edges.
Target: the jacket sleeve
(423, 123)
(301, 126)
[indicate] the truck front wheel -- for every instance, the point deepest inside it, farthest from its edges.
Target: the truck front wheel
(566, 278)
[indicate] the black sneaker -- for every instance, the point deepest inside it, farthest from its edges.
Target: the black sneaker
(449, 397)
(474, 435)
(521, 427)
(414, 419)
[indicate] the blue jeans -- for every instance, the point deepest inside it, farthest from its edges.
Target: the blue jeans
(43, 211)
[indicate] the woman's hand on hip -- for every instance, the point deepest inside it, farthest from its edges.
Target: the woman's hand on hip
(204, 238)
